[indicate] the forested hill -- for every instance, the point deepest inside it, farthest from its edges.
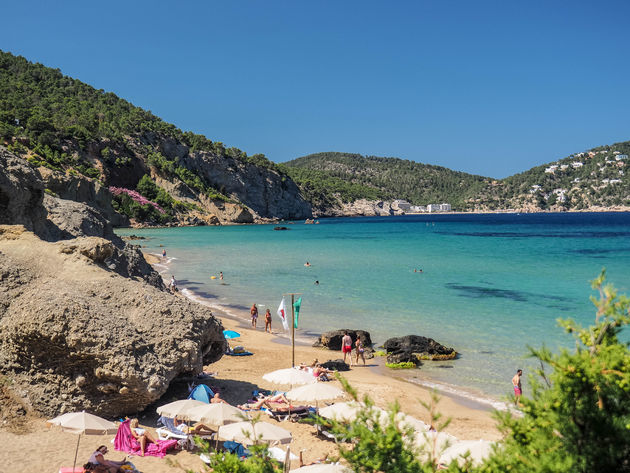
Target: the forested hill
(353, 176)
(595, 179)
(81, 133)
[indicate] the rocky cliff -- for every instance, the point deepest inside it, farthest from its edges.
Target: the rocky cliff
(85, 322)
(74, 335)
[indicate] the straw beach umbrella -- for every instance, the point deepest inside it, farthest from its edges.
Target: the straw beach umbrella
(216, 415)
(179, 409)
(249, 433)
(291, 376)
(315, 392)
(83, 423)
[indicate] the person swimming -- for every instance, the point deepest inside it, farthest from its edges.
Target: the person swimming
(307, 264)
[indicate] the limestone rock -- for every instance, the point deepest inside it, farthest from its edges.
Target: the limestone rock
(336, 365)
(74, 335)
(332, 340)
(415, 348)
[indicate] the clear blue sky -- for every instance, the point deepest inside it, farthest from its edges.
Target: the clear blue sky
(490, 88)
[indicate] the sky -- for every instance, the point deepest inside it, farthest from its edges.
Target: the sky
(485, 87)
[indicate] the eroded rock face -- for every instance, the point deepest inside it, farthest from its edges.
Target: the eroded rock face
(74, 335)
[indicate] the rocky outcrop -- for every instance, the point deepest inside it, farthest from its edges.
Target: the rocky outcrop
(336, 365)
(21, 195)
(358, 208)
(415, 348)
(332, 340)
(23, 201)
(74, 335)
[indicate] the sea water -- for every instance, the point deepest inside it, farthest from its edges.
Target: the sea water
(490, 285)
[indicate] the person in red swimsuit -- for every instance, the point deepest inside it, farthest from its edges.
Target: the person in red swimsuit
(346, 347)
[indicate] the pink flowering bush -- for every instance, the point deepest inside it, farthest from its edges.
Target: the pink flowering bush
(136, 197)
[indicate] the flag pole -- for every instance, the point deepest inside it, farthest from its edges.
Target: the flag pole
(292, 331)
(292, 294)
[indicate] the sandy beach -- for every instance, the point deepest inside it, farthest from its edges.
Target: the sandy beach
(36, 447)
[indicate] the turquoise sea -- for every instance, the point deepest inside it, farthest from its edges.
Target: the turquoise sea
(490, 284)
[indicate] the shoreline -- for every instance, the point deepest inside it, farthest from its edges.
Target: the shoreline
(461, 395)
(475, 212)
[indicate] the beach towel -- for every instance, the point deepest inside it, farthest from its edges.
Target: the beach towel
(125, 442)
(237, 448)
(243, 353)
(201, 393)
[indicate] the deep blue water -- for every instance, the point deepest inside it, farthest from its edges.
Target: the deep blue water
(490, 284)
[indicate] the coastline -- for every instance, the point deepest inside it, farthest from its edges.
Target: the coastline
(239, 320)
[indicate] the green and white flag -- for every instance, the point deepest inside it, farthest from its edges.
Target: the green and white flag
(296, 305)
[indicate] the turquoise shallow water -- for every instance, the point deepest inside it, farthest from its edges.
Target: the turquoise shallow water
(491, 284)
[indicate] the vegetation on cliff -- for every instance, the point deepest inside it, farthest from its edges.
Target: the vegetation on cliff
(63, 124)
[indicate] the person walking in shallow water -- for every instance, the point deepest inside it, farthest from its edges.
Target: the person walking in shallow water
(268, 321)
(518, 390)
(254, 312)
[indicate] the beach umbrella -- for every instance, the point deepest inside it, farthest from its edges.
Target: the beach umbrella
(179, 408)
(479, 450)
(405, 420)
(280, 455)
(228, 334)
(290, 376)
(248, 433)
(83, 423)
(322, 468)
(348, 411)
(217, 414)
(433, 442)
(314, 392)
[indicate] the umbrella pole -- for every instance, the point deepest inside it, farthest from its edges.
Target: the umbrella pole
(76, 452)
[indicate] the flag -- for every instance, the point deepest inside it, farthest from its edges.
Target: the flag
(296, 305)
(282, 313)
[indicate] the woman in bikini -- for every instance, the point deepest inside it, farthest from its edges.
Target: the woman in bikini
(141, 435)
(268, 321)
(360, 350)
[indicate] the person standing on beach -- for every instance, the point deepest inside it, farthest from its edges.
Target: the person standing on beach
(516, 382)
(346, 347)
(360, 351)
(254, 312)
(268, 321)
(173, 284)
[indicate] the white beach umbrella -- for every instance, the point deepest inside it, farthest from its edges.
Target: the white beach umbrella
(179, 409)
(478, 451)
(248, 433)
(83, 423)
(341, 411)
(405, 420)
(292, 376)
(315, 392)
(322, 468)
(217, 414)
(433, 442)
(348, 411)
(280, 455)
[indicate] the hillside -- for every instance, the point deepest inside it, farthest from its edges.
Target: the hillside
(590, 180)
(329, 179)
(157, 173)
